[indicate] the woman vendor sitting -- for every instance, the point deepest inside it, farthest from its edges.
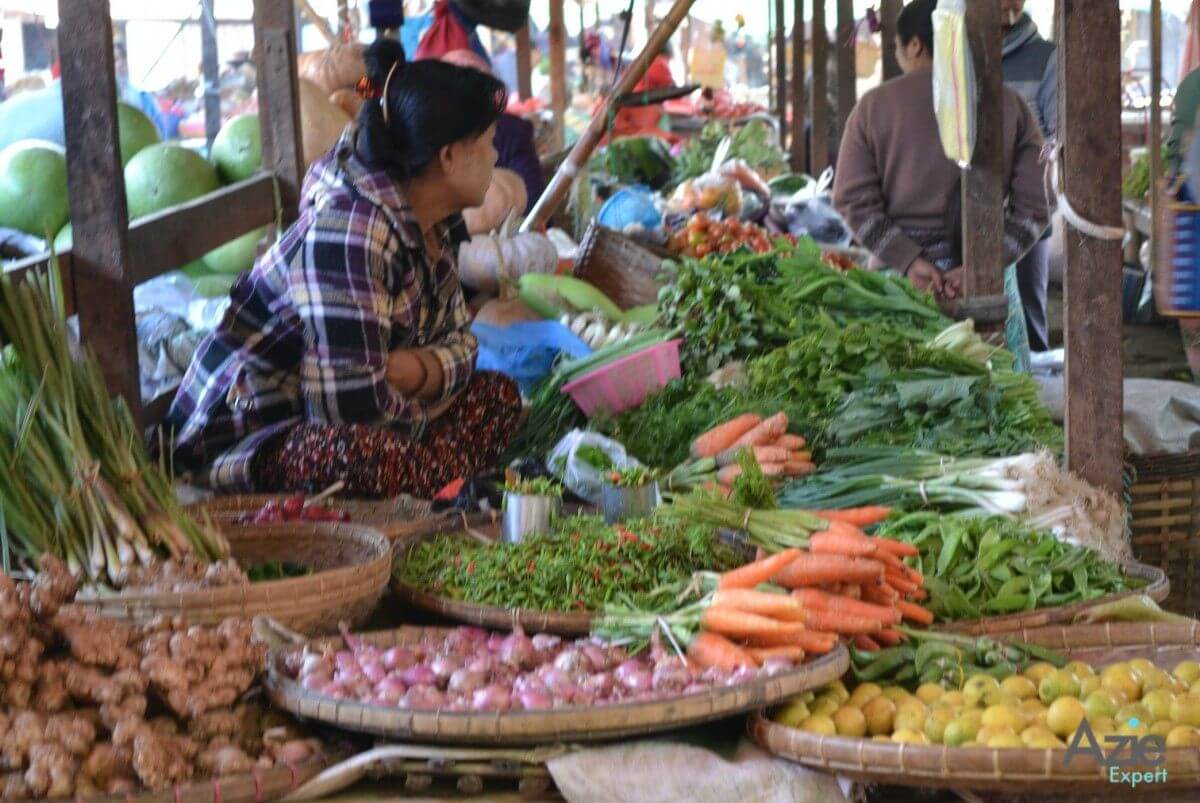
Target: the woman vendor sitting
(345, 353)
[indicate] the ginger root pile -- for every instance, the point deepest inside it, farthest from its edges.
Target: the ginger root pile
(90, 705)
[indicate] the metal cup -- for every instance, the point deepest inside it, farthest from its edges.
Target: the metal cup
(527, 515)
(621, 503)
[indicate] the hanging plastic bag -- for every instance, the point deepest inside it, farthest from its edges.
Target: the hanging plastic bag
(579, 473)
(954, 97)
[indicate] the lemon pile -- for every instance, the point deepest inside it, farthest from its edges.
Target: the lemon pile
(1041, 707)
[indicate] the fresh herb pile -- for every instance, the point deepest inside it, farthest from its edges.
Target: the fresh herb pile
(977, 566)
(584, 564)
(538, 486)
(751, 142)
(276, 570)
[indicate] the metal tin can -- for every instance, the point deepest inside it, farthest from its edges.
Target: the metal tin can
(527, 515)
(621, 503)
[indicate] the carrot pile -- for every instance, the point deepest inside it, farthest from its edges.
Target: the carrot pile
(715, 453)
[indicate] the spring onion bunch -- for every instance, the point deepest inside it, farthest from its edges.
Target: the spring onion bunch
(76, 479)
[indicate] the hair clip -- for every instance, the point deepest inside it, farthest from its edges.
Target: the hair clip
(383, 97)
(366, 88)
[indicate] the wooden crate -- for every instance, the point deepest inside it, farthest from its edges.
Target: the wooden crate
(1164, 500)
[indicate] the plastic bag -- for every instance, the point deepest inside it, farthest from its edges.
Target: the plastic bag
(630, 206)
(578, 475)
(954, 95)
(816, 218)
(525, 351)
(714, 193)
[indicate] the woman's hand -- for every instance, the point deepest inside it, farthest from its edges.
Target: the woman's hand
(415, 372)
(925, 276)
(952, 284)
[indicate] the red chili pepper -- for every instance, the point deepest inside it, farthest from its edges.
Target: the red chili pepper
(529, 567)
(293, 506)
(471, 567)
(575, 537)
(596, 575)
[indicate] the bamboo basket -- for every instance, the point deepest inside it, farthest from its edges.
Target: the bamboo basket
(351, 567)
(1038, 771)
(1165, 508)
(1157, 588)
(575, 723)
(396, 518)
(620, 268)
(270, 784)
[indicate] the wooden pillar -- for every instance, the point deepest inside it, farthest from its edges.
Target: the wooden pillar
(524, 63)
(686, 41)
(984, 185)
(889, 10)
(799, 104)
(781, 65)
(1156, 137)
(1089, 124)
(820, 90)
(99, 216)
(211, 68)
(847, 67)
(279, 99)
(558, 68)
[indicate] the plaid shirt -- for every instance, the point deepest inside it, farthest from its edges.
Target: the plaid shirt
(308, 330)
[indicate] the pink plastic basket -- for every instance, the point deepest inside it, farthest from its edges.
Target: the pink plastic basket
(626, 383)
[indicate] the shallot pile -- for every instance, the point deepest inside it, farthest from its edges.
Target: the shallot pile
(473, 670)
(292, 509)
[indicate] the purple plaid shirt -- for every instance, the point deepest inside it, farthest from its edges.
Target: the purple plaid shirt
(307, 335)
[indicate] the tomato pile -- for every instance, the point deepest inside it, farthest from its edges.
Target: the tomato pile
(704, 235)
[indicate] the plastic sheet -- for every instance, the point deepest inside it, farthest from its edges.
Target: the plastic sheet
(954, 92)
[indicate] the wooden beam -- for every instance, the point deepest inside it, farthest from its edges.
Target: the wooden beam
(889, 10)
(820, 90)
(1156, 136)
(985, 184)
(99, 217)
(799, 103)
(279, 99)
(524, 63)
(847, 63)
(1089, 62)
(781, 68)
(558, 69)
(211, 71)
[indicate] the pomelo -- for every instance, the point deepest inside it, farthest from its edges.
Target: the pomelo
(236, 255)
(62, 240)
(33, 187)
(135, 131)
(237, 149)
(162, 175)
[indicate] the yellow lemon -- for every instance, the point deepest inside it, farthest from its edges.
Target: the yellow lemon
(1154, 679)
(977, 687)
(928, 692)
(793, 713)
(1038, 670)
(838, 690)
(1006, 739)
(819, 723)
(864, 693)
(909, 736)
(911, 715)
(1101, 703)
(1102, 726)
(1000, 697)
(1088, 685)
(1019, 687)
(1158, 703)
(1003, 716)
(1185, 710)
(881, 714)
(954, 699)
(1183, 736)
(1064, 716)
(897, 694)
(824, 706)
(1187, 671)
(1131, 711)
(1059, 683)
(1120, 677)
(1142, 667)
(987, 733)
(1039, 736)
(959, 732)
(1162, 728)
(850, 721)
(936, 723)
(1079, 669)
(1129, 729)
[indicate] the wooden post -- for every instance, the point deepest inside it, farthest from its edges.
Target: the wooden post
(99, 216)
(686, 41)
(983, 186)
(820, 90)
(558, 68)
(1156, 168)
(211, 67)
(1089, 68)
(847, 63)
(781, 65)
(524, 63)
(560, 184)
(279, 99)
(889, 10)
(799, 103)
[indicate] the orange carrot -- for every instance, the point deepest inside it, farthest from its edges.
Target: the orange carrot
(760, 571)
(881, 593)
(791, 442)
(914, 612)
(851, 590)
(763, 603)
(727, 475)
(897, 548)
(919, 595)
(709, 649)
(801, 456)
(844, 623)
(732, 623)
(858, 516)
(793, 468)
(811, 641)
(723, 436)
(836, 542)
(865, 642)
(766, 432)
(763, 454)
(889, 637)
(761, 654)
(815, 600)
(814, 570)
(898, 581)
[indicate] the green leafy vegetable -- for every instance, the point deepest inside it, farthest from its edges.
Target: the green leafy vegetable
(752, 142)
(276, 570)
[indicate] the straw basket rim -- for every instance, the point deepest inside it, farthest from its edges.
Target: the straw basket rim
(574, 723)
(1010, 769)
(385, 515)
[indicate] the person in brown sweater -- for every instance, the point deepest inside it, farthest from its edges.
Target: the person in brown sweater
(900, 194)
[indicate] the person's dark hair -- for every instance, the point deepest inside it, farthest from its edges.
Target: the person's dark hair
(430, 104)
(916, 22)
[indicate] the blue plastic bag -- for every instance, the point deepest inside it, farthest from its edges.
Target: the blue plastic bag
(633, 205)
(525, 351)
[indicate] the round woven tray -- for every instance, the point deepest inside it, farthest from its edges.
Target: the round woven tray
(396, 518)
(1015, 770)
(576, 723)
(1157, 588)
(351, 564)
(270, 784)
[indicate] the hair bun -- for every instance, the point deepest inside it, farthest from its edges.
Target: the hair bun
(380, 56)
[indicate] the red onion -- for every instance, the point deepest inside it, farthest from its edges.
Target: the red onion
(390, 690)
(335, 690)
(345, 659)
(422, 697)
(670, 674)
(553, 678)
(374, 671)
(466, 681)
(443, 666)
(398, 658)
(491, 698)
(517, 650)
(482, 663)
(572, 661)
(314, 663)
(633, 675)
(596, 656)
(315, 681)
(544, 642)
(600, 684)
(743, 674)
(532, 699)
(419, 675)
(494, 641)
(473, 634)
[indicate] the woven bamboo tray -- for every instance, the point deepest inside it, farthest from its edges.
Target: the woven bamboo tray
(1012, 770)
(269, 784)
(1157, 588)
(620, 268)
(576, 723)
(396, 518)
(351, 566)
(1165, 507)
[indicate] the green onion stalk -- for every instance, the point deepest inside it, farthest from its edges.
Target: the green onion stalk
(773, 530)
